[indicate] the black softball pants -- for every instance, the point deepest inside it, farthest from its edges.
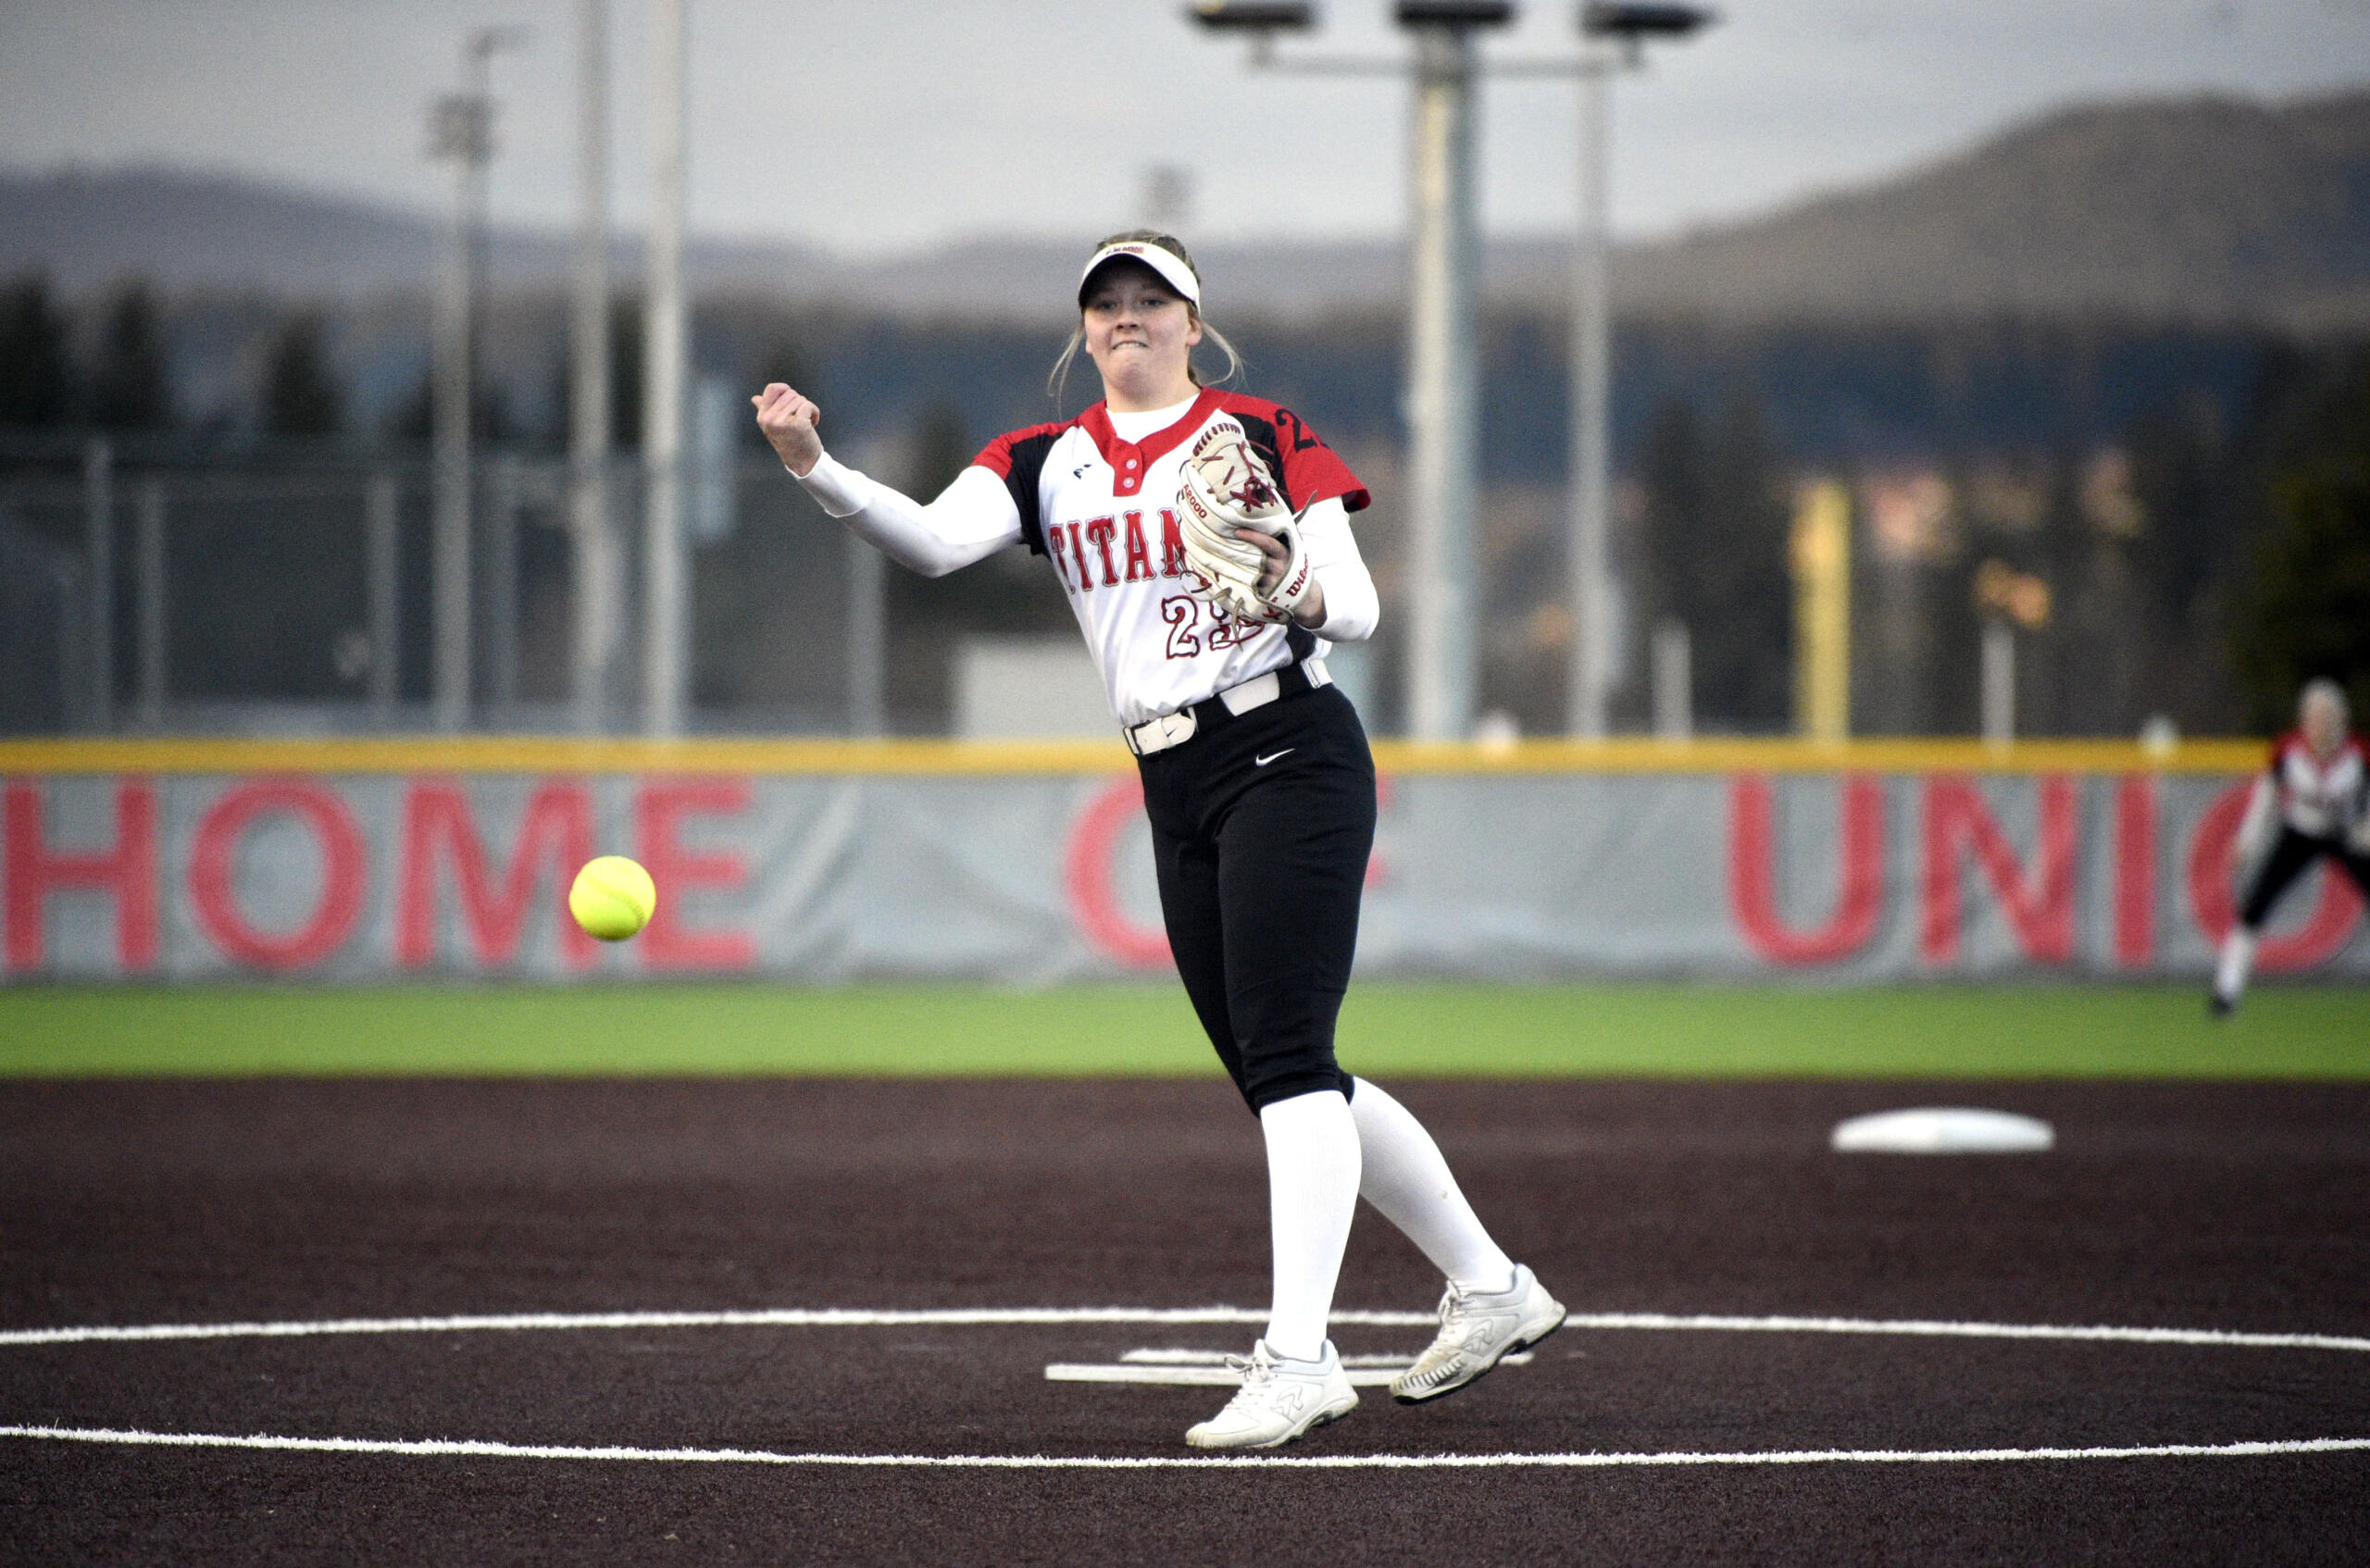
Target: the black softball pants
(1261, 828)
(2290, 857)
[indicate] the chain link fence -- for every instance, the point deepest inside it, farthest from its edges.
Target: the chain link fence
(143, 596)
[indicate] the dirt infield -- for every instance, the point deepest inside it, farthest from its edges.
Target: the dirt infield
(2217, 1207)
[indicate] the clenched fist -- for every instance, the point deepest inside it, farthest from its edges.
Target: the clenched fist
(789, 421)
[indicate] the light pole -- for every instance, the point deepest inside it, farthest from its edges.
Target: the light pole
(461, 130)
(1589, 678)
(1441, 401)
(1442, 364)
(665, 655)
(1443, 370)
(594, 541)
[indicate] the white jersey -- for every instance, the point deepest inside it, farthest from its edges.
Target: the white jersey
(2319, 797)
(1101, 506)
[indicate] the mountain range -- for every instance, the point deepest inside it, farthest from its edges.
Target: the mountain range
(2204, 211)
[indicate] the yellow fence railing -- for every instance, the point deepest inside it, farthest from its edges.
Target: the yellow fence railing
(540, 754)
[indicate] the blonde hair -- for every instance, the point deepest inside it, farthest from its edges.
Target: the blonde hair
(1059, 378)
(2326, 690)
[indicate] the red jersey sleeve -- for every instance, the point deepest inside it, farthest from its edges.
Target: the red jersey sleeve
(1311, 471)
(999, 455)
(1017, 458)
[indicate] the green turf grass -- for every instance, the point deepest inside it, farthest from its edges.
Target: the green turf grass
(1450, 1031)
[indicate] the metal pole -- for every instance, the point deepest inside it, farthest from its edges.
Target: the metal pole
(1821, 551)
(1999, 683)
(868, 638)
(98, 523)
(450, 546)
(1674, 681)
(592, 541)
(1592, 419)
(664, 651)
(1441, 387)
(502, 587)
(149, 581)
(381, 573)
(464, 132)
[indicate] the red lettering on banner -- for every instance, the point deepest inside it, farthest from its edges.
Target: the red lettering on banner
(1377, 868)
(1099, 532)
(1172, 545)
(213, 884)
(1139, 555)
(1086, 872)
(659, 810)
(556, 827)
(2321, 937)
(2135, 871)
(127, 872)
(2040, 913)
(1860, 881)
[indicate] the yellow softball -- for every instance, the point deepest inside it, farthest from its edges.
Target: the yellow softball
(612, 897)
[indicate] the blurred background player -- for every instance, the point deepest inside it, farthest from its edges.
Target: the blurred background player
(1210, 631)
(2318, 794)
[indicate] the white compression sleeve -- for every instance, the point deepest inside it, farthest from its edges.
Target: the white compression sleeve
(1408, 1182)
(1352, 606)
(971, 519)
(1312, 1195)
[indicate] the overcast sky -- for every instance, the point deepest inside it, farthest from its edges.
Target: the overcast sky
(885, 126)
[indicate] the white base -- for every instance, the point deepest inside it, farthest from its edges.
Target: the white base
(1944, 1131)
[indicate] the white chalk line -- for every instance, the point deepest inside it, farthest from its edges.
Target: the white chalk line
(1189, 1376)
(462, 1450)
(835, 1317)
(778, 1317)
(1208, 1369)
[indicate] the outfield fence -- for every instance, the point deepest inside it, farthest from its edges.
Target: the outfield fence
(835, 861)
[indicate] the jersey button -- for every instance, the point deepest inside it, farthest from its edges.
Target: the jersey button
(1131, 461)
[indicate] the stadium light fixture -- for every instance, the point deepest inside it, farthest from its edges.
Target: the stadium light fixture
(1257, 20)
(1253, 16)
(1614, 19)
(1454, 13)
(1630, 22)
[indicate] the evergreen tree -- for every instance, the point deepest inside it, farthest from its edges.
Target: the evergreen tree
(301, 395)
(130, 386)
(2305, 612)
(36, 382)
(1716, 558)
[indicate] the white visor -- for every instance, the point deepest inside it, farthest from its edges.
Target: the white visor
(1168, 263)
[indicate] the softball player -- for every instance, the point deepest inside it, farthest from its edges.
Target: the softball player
(2317, 791)
(1203, 537)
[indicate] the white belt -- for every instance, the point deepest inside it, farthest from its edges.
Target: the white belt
(1175, 729)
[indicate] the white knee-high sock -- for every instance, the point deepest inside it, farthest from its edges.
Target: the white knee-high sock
(2237, 957)
(1408, 1182)
(1312, 1195)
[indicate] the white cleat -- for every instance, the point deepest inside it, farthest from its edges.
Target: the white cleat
(1281, 1399)
(1478, 1331)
